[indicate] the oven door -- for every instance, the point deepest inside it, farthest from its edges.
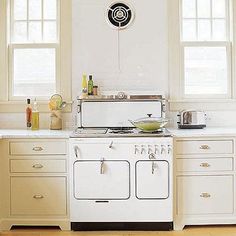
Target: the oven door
(152, 179)
(101, 180)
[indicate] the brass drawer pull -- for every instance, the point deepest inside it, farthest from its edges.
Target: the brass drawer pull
(38, 196)
(204, 147)
(37, 166)
(37, 149)
(205, 165)
(205, 195)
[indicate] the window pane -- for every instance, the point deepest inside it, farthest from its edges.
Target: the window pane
(35, 9)
(205, 70)
(34, 72)
(219, 31)
(35, 31)
(218, 8)
(20, 9)
(204, 30)
(20, 32)
(50, 31)
(189, 30)
(204, 8)
(50, 9)
(189, 8)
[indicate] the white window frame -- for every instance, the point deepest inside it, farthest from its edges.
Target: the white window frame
(177, 98)
(11, 68)
(228, 47)
(8, 103)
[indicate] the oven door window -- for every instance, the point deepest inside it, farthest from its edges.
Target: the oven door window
(152, 179)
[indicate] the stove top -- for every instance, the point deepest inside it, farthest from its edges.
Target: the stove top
(117, 132)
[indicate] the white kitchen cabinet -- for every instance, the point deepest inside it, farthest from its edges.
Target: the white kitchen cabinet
(31, 147)
(204, 181)
(204, 164)
(205, 195)
(204, 146)
(38, 196)
(101, 180)
(36, 183)
(38, 166)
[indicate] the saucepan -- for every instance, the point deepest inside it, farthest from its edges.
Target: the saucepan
(149, 123)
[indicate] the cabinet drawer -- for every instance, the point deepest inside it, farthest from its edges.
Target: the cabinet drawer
(38, 195)
(205, 164)
(204, 147)
(37, 166)
(205, 195)
(38, 148)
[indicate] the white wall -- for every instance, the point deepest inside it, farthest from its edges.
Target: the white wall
(143, 47)
(144, 56)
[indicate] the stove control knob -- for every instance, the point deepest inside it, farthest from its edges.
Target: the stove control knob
(169, 149)
(162, 149)
(136, 150)
(152, 156)
(143, 149)
(157, 150)
(150, 149)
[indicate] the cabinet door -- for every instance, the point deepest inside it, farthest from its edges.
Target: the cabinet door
(101, 180)
(205, 194)
(152, 179)
(38, 196)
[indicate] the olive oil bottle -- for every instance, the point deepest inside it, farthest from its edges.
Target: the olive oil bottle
(35, 116)
(90, 85)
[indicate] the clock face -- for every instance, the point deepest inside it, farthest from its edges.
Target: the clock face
(120, 15)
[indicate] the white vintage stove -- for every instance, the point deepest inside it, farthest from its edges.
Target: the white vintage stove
(120, 178)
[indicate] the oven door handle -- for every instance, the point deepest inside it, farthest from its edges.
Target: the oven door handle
(102, 167)
(76, 150)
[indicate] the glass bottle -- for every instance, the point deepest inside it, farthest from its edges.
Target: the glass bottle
(90, 85)
(35, 116)
(28, 114)
(84, 86)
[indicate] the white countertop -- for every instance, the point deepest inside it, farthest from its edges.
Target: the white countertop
(21, 133)
(207, 132)
(56, 134)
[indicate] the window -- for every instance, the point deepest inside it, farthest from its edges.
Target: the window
(33, 48)
(205, 48)
(35, 35)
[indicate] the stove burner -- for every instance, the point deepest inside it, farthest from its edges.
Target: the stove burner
(159, 131)
(124, 130)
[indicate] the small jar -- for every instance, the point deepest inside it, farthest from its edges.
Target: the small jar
(56, 120)
(95, 90)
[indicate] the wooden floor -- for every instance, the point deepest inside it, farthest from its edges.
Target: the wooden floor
(188, 231)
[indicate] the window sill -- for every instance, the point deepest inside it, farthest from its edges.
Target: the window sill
(19, 107)
(203, 104)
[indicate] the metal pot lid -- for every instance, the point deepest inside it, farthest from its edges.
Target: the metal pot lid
(149, 119)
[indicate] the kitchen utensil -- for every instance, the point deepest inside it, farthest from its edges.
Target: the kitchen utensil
(55, 102)
(191, 119)
(63, 105)
(149, 124)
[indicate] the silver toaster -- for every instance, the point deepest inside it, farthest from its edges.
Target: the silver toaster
(191, 119)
